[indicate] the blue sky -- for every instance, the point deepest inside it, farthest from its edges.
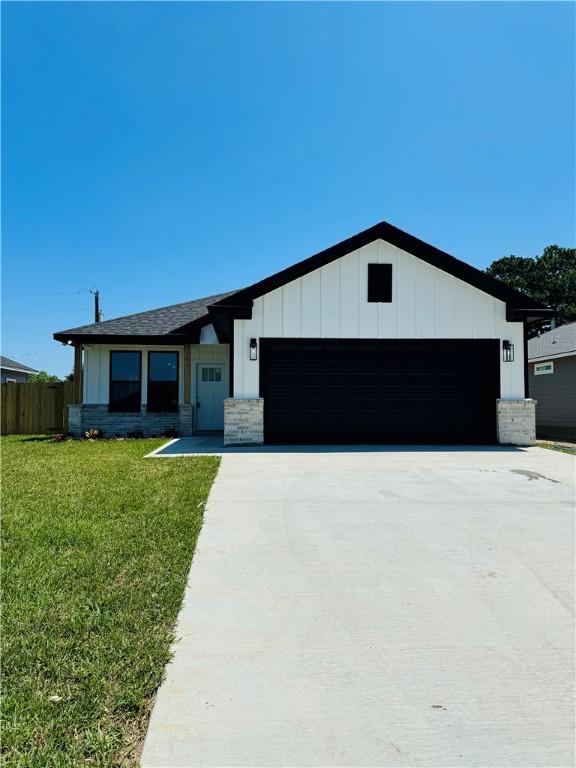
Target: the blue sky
(166, 151)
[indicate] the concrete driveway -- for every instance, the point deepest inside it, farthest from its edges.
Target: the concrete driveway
(377, 608)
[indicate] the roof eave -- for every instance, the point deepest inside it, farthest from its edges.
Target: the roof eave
(528, 315)
(29, 371)
(551, 356)
(186, 334)
(137, 339)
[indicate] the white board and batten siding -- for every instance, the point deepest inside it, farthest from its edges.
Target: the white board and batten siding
(97, 367)
(331, 303)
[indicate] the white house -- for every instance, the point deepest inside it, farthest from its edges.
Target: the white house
(381, 338)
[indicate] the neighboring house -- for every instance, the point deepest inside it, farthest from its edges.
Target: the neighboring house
(13, 372)
(378, 339)
(552, 366)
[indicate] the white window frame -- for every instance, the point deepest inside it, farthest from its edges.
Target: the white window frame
(542, 369)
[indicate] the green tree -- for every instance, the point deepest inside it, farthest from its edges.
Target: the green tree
(549, 278)
(42, 376)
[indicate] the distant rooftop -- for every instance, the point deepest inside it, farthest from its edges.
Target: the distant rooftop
(559, 341)
(12, 365)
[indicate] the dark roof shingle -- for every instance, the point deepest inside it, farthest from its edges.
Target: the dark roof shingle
(559, 341)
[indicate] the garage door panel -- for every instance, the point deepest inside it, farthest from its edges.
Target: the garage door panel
(379, 391)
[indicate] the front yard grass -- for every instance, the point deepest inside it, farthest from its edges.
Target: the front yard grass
(562, 447)
(97, 543)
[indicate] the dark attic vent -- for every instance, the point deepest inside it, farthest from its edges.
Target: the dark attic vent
(380, 282)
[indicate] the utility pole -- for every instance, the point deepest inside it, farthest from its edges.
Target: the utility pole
(97, 310)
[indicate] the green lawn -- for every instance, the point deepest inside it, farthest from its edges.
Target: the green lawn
(562, 447)
(97, 543)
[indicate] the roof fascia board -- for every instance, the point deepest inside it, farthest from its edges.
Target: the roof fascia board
(399, 239)
(552, 356)
(239, 311)
(222, 318)
(18, 370)
(223, 324)
(136, 339)
(517, 314)
(193, 328)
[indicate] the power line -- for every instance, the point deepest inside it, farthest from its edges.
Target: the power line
(74, 291)
(30, 295)
(45, 311)
(30, 354)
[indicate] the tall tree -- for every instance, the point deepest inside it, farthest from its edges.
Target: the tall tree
(549, 278)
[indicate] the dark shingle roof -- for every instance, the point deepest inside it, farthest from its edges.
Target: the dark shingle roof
(5, 362)
(559, 341)
(154, 322)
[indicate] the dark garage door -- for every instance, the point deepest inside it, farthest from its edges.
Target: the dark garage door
(393, 391)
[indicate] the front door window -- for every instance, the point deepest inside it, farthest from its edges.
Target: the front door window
(210, 373)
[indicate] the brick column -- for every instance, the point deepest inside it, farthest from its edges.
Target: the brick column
(516, 421)
(75, 419)
(186, 419)
(243, 421)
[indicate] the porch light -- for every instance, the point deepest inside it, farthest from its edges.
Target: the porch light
(507, 351)
(253, 349)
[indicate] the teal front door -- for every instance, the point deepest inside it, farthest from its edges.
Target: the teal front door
(211, 389)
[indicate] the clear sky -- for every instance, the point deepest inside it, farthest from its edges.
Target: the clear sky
(167, 151)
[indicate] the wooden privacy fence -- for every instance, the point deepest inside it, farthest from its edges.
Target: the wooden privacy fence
(32, 409)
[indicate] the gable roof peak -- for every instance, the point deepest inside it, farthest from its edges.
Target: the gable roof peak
(400, 239)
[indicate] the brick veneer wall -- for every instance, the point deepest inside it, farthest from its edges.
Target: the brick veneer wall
(243, 421)
(516, 421)
(75, 420)
(83, 417)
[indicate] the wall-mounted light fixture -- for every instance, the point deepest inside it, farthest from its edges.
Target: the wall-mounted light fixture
(253, 349)
(507, 351)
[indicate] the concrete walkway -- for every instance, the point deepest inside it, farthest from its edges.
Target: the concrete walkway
(377, 608)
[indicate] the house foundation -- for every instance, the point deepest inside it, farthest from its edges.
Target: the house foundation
(84, 417)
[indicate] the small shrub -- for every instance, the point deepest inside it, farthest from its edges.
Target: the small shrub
(136, 434)
(170, 432)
